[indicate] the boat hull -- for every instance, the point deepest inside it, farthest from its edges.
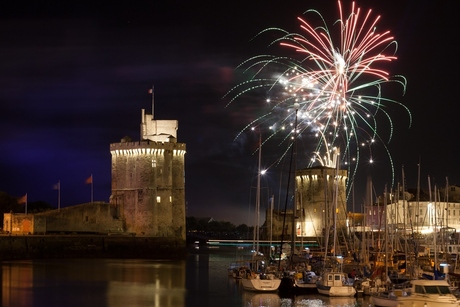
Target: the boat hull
(336, 290)
(335, 284)
(427, 301)
(260, 285)
(305, 285)
(383, 299)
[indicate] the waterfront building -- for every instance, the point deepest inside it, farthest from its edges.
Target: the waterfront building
(148, 192)
(320, 191)
(148, 180)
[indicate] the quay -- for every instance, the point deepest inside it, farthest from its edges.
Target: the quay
(20, 247)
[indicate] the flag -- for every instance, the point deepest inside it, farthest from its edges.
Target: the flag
(89, 180)
(22, 200)
(57, 186)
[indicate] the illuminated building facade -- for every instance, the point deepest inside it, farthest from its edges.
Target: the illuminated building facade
(147, 199)
(317, 197)
(148, 180)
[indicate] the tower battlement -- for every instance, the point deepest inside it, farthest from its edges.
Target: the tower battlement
(146, 147)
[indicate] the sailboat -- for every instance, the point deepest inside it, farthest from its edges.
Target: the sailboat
(388, 297)
(333, 281)
(298, 275)
(257, 277)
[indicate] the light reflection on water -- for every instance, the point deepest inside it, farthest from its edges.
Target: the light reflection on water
(310, 300)
(200, 280)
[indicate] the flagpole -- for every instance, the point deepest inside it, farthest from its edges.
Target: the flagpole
(153, 102)
(26, 204)
(91, 188)
(59, 195)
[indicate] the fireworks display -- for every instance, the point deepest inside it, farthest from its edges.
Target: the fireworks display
(334, 76)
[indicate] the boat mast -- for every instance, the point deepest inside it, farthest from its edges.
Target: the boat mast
(294, 194)
(271, 223)
(386, 231)
(403, 194)
(257, 229)
(334, 197)
(296, 107)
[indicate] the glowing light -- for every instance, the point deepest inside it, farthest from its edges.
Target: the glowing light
(334, 82)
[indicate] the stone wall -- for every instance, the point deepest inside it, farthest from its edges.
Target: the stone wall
(13, 247)
(148, 187)
(95, 217)
(316, 199)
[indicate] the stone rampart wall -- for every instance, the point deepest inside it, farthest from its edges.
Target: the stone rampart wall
(15, 247)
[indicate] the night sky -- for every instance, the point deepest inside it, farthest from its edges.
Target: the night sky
(75, 76)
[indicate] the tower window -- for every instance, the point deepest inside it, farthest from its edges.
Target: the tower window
(158, 199)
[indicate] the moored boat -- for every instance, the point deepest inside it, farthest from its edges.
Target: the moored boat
(261, 283)
(258, 278)
(335, 284)
(299, 281)
(387, 298)
(428, 293)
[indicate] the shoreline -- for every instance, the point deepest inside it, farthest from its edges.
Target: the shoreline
(21, 247)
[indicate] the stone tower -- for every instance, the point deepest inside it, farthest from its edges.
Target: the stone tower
(316, 202)
(148, 181)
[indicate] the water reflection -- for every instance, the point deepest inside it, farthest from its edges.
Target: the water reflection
(274, 300)
(93, 282)
(201, 280)
(261, 299)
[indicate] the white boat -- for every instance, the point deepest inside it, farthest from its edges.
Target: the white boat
(258, 279)
(261, 283)
(335, 284)
(387, 298)
(428, 293)
(333, 281)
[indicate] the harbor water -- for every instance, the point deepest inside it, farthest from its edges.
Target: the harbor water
(201, 280)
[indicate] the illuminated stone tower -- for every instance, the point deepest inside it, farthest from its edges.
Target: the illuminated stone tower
(148, 181)
(315, 200)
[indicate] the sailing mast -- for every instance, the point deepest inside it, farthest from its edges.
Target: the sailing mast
(404, 203)
(258, 194)
(386, 231)
(271, 224)
(296, 107)
(255, 242)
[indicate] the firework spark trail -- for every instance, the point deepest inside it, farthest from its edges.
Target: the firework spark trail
(338, 86)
